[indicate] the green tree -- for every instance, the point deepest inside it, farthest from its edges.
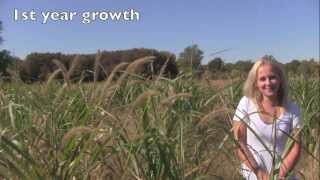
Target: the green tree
(228, 67)
(293, 66)
(216, 65)
(308, 68)
(190, 58)
(243, 66)
(314, 67)
(5, 60)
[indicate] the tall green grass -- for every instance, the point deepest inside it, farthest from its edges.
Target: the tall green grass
(132, 128)
(306, 92)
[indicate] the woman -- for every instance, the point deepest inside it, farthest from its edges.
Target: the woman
(263, 122)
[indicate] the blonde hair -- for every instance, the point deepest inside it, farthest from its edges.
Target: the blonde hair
(250, 90)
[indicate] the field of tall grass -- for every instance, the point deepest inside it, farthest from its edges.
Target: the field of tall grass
(131, 127)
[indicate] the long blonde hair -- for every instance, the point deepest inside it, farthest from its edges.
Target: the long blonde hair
(250, 90)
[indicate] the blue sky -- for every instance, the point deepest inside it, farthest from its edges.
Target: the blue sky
(287, 29)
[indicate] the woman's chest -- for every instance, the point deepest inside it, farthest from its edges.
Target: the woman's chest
(279, 130)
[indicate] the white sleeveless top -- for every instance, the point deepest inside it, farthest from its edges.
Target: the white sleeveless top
(247, 111)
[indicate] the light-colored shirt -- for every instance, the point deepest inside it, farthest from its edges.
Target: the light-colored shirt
(265, 140)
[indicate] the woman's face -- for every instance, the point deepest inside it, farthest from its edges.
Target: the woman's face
(268, 82)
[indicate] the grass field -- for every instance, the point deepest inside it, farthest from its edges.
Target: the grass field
(134, 128)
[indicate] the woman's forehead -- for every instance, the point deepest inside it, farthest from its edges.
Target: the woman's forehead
(266, 68)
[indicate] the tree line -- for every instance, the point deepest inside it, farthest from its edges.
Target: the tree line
(39, 66)
(190, 60)
(95, 67)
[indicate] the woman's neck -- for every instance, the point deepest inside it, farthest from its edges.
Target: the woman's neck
(270, 101)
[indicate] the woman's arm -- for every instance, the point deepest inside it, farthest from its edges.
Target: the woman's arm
(240, 133)
(292, 157)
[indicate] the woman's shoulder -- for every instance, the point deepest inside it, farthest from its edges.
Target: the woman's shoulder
(293, 107)
(246, 100)
(294, 113)
(246, 103)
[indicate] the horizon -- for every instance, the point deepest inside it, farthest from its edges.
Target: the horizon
(289, 29)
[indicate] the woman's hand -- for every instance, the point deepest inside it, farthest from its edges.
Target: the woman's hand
(282, 173)
(262, 174)
(292, 157)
